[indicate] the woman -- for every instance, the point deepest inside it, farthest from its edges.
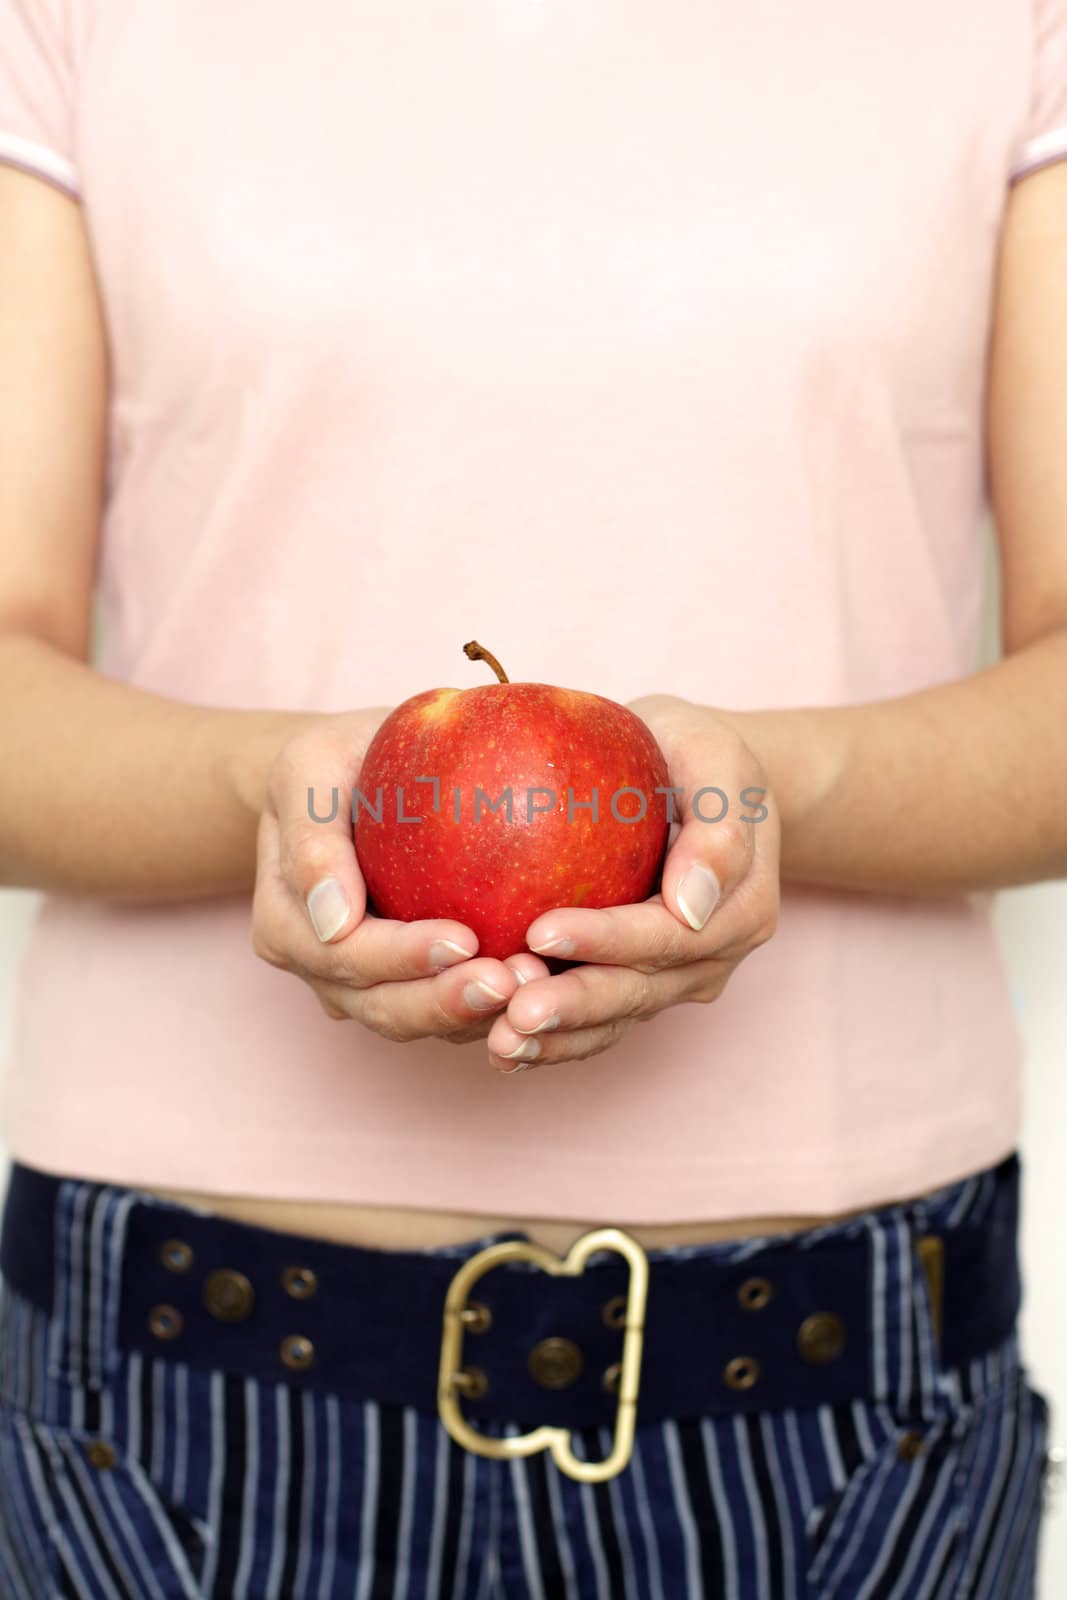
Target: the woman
(675, 352)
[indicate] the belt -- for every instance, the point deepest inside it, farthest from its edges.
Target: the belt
(604, 1336)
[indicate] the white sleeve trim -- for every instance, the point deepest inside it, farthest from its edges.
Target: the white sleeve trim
(1047, 147)
(33, 157)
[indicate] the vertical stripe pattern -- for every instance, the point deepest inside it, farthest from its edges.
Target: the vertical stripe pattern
(222, 1486)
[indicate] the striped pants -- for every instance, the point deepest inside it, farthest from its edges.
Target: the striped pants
(166, 1480)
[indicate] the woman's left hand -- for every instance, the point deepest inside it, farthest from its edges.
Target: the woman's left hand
(718, 902)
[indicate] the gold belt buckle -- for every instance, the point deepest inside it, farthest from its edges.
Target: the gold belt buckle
(452, 1376)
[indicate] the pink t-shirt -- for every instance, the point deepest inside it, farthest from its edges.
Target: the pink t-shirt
(643, 340)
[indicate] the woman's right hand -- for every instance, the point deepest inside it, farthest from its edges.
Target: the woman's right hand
(403, 980)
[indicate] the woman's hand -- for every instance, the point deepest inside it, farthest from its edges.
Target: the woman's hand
(403, 980)
(718, 903)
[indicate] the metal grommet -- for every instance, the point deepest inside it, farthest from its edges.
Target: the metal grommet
(165, 1321)
(476, 1317)
(821, 1338)
(611, 1376)
(614, 1312)
(176, 1255)
(297, 1352)
(910, 1447)
(555, 1363)
(101, 1454)
(471, 1381)
(228, 1295)
(300, 1282)
(741, 1373)
(755, 1293)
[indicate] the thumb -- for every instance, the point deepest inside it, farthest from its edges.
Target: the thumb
(316, 849)
(710, 848)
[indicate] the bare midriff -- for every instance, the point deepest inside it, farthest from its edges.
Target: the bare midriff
(400, 1228)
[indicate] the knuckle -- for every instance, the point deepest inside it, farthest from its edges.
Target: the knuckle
(381, 1018)
(317, 757)
(336, 962)
(468, 1035)
(766, 923)
(304, 749)
(662, 950)
(332, 1010)
(307, 856)
(711, 986)
(444, 1024)
(733, 838)
(705, 981)
(579, 977)
(265, 947)
(599, 1040)
(641, 996)
(291, 763)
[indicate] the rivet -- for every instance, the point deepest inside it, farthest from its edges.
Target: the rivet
(555, 1363)
(228, 1295)
(470, 1381)
(614, 1312)
(300, 1282)
(476, 1317)
(176, 1255)
(165, 1321)
(755, 1293)
(741, 1373)
(297, 1352)
(821, 1338)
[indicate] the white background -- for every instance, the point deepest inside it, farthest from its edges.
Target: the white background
(1033, 925)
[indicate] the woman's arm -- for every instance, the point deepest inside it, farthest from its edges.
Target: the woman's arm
(963, 786)
(110, 791)
(103, 789)
(958, 788)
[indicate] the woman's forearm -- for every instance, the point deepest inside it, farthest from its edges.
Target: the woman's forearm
(955, 788)
(113, 791)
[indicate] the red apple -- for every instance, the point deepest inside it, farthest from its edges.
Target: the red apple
(549, 748)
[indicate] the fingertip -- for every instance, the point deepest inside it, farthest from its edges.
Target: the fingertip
(482, 996)
(512, 1052)
(696, 894)
(548, 941)
(527, 967)
(445, 953)
(546, 1024)
(486, 987)
(329, 908)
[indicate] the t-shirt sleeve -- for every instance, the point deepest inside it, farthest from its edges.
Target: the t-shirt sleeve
(37, 91)
(1044, 135)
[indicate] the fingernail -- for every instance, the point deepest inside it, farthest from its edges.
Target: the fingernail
(520, 976)
(327, 908)
(528, 1050)
(480, 997)
(698, 895)
(443, 953)
(551, 1021)
(555, 947)
(520, 1066)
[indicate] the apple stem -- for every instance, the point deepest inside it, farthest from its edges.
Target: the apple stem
(477, 652)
